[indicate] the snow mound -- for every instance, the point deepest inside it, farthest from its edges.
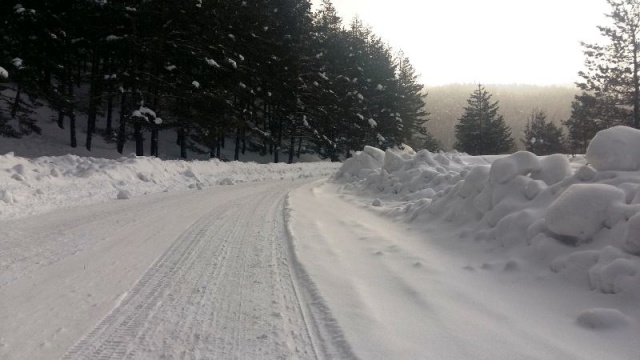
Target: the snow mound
(583, 210)
(617, 148)
(541, 211)
(361, 164)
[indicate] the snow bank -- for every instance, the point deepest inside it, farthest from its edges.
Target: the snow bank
(580, 220)
(30, 186)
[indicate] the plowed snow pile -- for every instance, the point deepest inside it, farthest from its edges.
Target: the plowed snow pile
(31, 186)
(578, 217)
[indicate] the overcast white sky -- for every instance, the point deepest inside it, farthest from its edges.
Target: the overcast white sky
(486, 41)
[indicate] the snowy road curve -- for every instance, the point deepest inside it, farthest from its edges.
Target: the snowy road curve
(202, 274)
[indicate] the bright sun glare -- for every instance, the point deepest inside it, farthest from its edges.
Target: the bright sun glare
(487, 41)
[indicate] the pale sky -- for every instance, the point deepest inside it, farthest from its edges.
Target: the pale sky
(485, 41)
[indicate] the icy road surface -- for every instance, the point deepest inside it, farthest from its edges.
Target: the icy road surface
(201, 274)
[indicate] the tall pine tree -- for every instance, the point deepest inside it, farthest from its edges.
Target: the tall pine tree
(610, 83)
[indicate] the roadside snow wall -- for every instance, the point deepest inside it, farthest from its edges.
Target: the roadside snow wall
(580, 218)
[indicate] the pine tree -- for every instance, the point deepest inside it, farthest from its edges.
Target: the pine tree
(412, 107)
(481, 130)
(542, 137)
(613, 69)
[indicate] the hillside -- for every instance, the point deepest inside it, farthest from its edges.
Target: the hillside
(446, 104)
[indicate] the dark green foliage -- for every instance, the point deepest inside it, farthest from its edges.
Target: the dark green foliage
(542, 137)
(610, 82)
(267, 73)
(481, 130)
(411, 107)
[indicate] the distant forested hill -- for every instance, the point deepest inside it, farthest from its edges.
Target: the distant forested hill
(446, 103)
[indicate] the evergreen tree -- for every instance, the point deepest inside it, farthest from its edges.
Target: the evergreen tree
(481, 130)
(542, 137)
(412, 107)
(613, 69)
(589, 114)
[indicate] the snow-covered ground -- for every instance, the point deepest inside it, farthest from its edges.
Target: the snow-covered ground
(399, 255)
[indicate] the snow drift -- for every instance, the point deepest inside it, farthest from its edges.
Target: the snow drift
(578, 217)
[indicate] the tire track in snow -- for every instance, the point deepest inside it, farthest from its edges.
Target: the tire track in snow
(225, 289)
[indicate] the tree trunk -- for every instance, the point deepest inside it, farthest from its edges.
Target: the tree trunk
(16, 102)
(137, 134)
(182, 136)
(299, 147)
(72, 110)
(154, 141)
(122, 127)
(244, 141)
(72, 129)
(93, 100)
(109, 128)
(292, 144)
(276, 150)
(236, 153)
(60, 119)
(636, 85)
(218, 145)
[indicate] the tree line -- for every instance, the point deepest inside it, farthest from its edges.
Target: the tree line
(609, 96)
(270, 75)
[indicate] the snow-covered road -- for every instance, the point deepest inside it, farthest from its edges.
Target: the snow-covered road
(283, 269)
(196, 274)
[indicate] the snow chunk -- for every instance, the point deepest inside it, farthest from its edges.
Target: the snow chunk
(6, 196)
(520, 163)
(377, 202)
(583, 210)
(18, 63)
(212, 62)
(617, 148)
(372, 123)
(552, 169)
(196, 84)
(614, 272)
(4, 74)
(602, 318)
(124, 194)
